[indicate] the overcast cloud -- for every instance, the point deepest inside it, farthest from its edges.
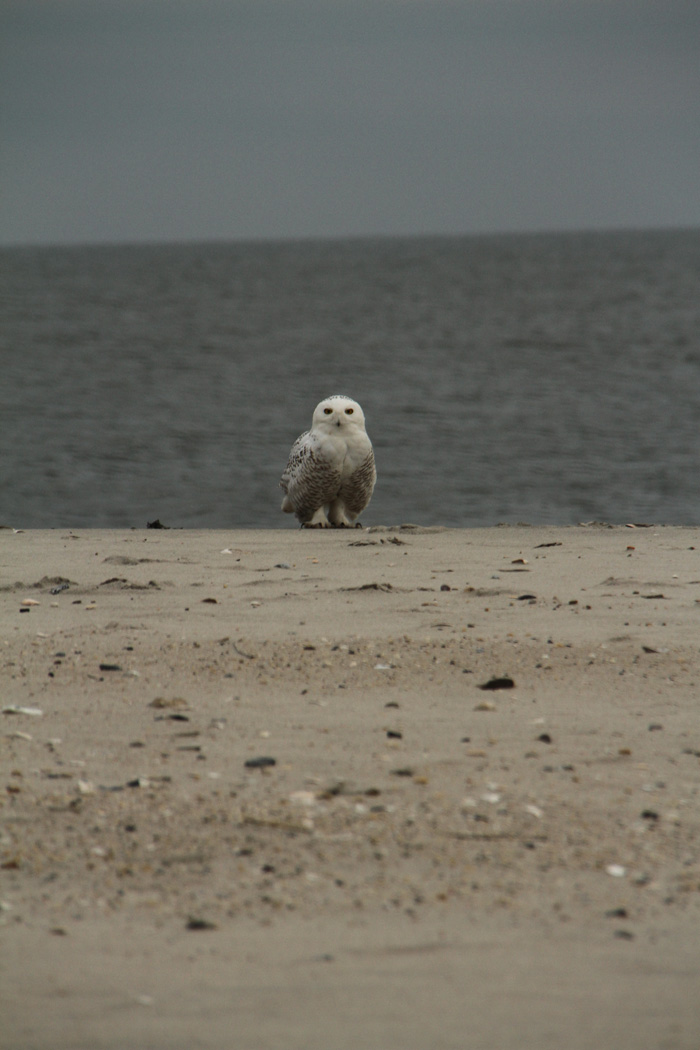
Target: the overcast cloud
(142, 120)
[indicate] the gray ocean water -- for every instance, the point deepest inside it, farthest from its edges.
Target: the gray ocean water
(540, 378)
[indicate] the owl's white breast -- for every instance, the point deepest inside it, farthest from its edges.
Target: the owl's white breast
(346, 447)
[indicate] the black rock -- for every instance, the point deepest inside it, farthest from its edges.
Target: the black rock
(498, 683)
(194, 923)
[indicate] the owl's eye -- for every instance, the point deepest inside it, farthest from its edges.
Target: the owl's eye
(349, 411)
(328, 411)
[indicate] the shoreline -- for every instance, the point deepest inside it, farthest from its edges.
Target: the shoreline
(419, 856)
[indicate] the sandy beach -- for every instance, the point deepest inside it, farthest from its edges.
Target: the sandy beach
(360, 789)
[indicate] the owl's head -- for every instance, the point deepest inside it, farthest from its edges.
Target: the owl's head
(338, 411)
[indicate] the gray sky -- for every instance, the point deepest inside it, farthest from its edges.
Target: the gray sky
(142, 120)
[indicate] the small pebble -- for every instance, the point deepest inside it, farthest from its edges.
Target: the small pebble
(175, 702)
(261, 762)
(194, 923)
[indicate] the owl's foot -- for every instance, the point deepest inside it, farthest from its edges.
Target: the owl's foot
(318, 520)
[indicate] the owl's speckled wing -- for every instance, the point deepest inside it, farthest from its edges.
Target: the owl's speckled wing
(309, 480)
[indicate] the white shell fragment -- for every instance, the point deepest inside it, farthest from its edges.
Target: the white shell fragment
(616, 870)
(13, 709)
(534, 811)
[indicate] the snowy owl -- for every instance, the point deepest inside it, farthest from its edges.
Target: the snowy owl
(330, 474)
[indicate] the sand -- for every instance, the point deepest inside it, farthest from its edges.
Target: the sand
(411, 860)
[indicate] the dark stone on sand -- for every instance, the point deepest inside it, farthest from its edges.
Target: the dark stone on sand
(261, 762)
(194, 923)
(498, 683)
